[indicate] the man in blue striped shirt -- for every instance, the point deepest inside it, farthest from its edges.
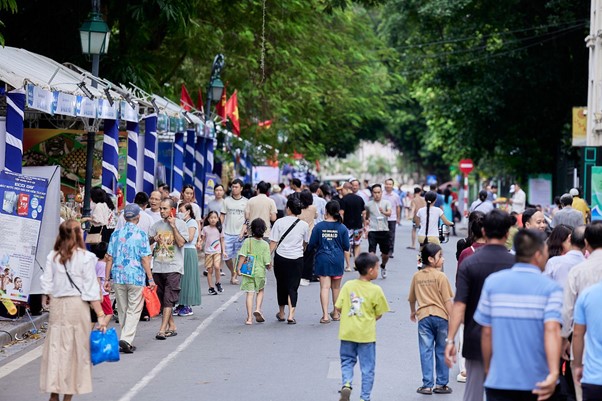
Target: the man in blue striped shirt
(520, 311)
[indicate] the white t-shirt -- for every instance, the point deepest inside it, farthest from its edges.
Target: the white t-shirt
(234, 209)
(292, 245)
(519, 199)
(156, 216)
(435, 214)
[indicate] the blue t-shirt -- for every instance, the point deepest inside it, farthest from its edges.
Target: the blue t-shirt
(330, 240)
(516, 303)
(587, 312)
(127, 247)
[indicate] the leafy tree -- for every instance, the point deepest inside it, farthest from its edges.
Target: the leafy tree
(10, 5)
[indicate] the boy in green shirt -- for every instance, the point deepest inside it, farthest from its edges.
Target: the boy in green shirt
(360, 304)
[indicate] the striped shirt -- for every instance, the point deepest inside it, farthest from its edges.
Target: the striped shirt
(516, 303)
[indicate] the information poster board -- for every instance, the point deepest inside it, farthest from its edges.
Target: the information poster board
(267, 174)
(211, 180)
(540, 189)
(596, 193)
(23, 201)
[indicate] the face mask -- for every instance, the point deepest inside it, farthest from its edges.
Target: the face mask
(180, 216)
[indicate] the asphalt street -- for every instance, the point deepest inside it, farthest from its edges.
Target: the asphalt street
(216, 356)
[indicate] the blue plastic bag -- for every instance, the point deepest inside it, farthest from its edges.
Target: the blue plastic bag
(104, 347)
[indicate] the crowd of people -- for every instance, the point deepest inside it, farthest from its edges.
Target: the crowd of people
(520, 334)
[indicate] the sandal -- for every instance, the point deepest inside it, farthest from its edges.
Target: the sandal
(234, 281)
(160, 336)
(337, 318)
(280, 318)
(442, 390)
(259, 317)
(249, 322)
(424, 390)
(170, 333)
(324, 321)
(291, 321)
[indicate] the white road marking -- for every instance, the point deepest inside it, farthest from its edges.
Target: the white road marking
(18, 363)
(161, 365)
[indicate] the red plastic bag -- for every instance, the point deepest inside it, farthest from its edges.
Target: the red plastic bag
(153, 305)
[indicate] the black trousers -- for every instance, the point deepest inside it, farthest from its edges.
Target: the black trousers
(309, 258)
(591, 392)
(288, 276)
(515, 395)
(392, 227)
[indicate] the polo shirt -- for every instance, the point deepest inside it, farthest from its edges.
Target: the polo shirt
(567, 216)
(587, 313)
(471, 275)
(558, 267)
(516, 303)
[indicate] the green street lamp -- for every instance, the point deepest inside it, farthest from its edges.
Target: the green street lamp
(215, 88)
(94, 34)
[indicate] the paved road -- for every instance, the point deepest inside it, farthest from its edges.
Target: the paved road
(215, 356)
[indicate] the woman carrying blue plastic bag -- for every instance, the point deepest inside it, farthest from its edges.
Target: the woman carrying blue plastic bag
(69, 282)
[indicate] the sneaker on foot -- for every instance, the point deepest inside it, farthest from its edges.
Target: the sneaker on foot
(304, 282)
(212, 291)
(383, 272)
(222, 274)
(205, 273)
(461, 378)
(176, 310)
(186, 311)
(219, 287)
(345, 393)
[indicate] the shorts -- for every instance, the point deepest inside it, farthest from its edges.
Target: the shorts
(380, 238)
(355, 236)
(213, 260)
(107, 307)
(252, 284)
(168, 288)
(232, 243)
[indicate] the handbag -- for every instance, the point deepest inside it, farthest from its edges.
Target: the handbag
(246, 269)
(153, 305)
(94, 238)
(104, 347)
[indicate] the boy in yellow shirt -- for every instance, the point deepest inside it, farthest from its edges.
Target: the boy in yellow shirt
(360, 304)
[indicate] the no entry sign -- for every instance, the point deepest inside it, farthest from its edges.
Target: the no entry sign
(466, 166)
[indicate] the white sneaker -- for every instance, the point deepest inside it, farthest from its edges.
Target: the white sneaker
(383, 272)
(304, 282)
(461, 378)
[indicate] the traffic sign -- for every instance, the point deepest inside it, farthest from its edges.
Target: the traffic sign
(466, 166)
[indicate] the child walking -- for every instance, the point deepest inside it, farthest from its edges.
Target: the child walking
(431, 289)
(100, 250)
(212, 242)
(360, 304)
(254, 284)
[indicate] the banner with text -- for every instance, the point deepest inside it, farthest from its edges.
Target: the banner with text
(23, 201)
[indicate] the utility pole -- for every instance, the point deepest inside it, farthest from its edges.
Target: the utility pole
(594, 92)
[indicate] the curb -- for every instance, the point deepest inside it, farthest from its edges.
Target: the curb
(9, 330)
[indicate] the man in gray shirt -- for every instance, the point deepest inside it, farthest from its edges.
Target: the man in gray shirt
(378, 211)
(170, 234)
(567, 215)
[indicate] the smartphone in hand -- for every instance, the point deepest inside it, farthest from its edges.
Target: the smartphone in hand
(173, 212)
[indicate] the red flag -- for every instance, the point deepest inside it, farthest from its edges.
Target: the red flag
(265, 124)
(232, 113)
(220, 107)
(185, 100)
(199, 102)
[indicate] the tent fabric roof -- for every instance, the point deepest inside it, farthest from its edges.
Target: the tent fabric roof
(19, 66)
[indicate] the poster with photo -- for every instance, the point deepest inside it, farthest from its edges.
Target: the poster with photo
(23, 201)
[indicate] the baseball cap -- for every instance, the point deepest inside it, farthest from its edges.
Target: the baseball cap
(512, 188)
(574, 192)
(130, 211)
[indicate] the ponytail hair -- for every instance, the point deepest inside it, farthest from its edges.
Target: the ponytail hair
(333, 209)
(430, 197)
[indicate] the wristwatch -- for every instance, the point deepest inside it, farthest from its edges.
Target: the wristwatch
(448, 341)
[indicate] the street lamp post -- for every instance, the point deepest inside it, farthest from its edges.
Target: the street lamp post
(215, 88)
(94, 35)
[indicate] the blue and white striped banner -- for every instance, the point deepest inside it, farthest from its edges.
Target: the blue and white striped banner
(15, 102)
(133, 130)
(209, 149)
(189, 157)
(178, 161)
(150, 152)
(199, 169)
(110, 156)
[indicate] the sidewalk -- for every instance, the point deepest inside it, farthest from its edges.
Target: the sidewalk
(11, 330)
